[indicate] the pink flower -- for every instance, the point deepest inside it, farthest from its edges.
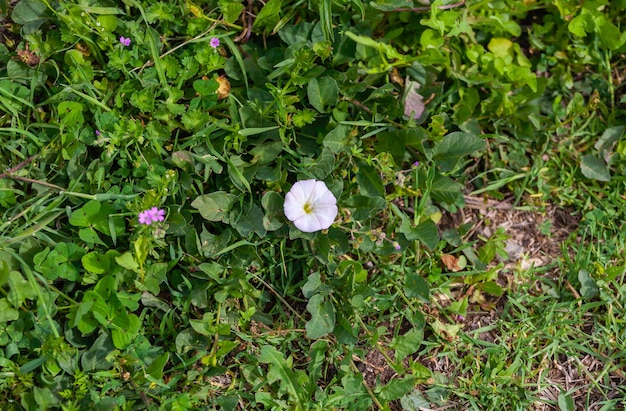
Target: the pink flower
(151, 215)
(124, 41)
(215, 42)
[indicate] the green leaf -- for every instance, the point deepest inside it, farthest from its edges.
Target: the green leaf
(364, 207)
(214, 206)
(323, 92)
(594, 168)
(396, 388)
(7, 312)
(90, 236)
(155, 370)
(127, 329)
(31, 14)
(369, 181)
(611, 135)
(416, 286)
(127, 261)
(414, 401)
(391, 5)
(455, 146)
(71, 113)
(490, 287)
(95, 358)
(407, 344)
(205, 87)
(251, 221)
(322, 320)
(426, 232)
(44, 397)
(447, 191)
(269, 15)
(588, 287)
(143, 99)
(280, 370)
(335, 139)
(566, 403)
(20, 289)
(231, 9)
(84, 216)
(95, 262)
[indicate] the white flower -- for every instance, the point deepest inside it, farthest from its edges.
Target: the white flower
(310, 205)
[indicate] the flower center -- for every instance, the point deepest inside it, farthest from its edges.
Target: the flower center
(308, 208)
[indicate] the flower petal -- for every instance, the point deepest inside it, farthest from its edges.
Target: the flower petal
(320, 201)
(308, 223)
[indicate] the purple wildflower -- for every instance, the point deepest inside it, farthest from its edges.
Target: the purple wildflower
(98, 133)
(124, 41)
(397, 246)
(417, 163)
(215, 42)
(151, 215)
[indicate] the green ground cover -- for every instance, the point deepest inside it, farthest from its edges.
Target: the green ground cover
(475, 259)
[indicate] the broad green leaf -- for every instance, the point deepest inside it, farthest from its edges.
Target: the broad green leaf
(95, 262)
(95, 358)
(455, 146)
(391, 5)
(269, 15)
(7, 312)
(250, 221)
(566, 403)
(281, 370)
(205, 87)
(582, 24)
(155, 370)
(609, 34)
(588, 287)
(396, 388)
(414, 401)
(323, 92)
(447, 191)
(369, 181)
(322, 320)
(490, 287)
(128, 326)
(20, 289)
(388, 50)
(231, 9)
(416, 286)
(31, 14)
(605, 143)
(594, 168)
(127, 261)
(84, 216)
(426, 232)
(71, 113)
(214, 206)
(407, 344)
(335, 139)
(90, 236)
(107, 21)
(501, 47)
(364, 207)
(44, 397)
(272, 203)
